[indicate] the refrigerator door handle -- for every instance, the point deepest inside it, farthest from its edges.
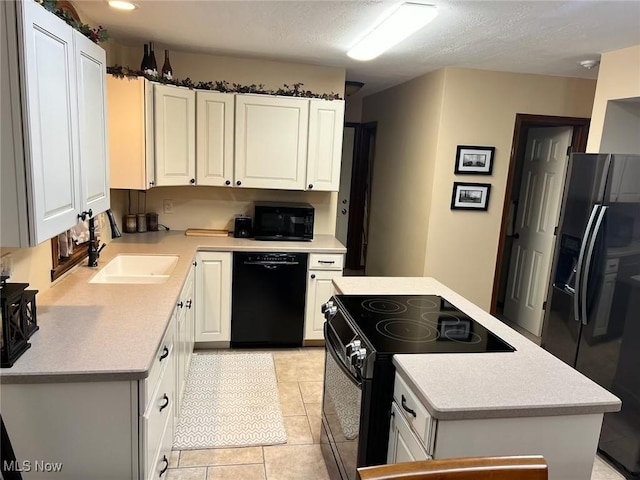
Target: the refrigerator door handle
(583, 249)
(587, 269)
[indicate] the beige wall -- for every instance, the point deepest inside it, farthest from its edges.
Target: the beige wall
(618, 78)
(408, 119)
(215, 208)
(477, 108)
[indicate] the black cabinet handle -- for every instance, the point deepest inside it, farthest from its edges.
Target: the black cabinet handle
(166, 402)
(194, 264)
(166, 465)
(165, 353)
(327, 262)
(189, 302)
(180, 305)
(192, 181)
(313, 275)
(407, 409)
(228, 182)
(344, 211)
(238, 182)
(310, 186)
(152, 183)
(85, 214)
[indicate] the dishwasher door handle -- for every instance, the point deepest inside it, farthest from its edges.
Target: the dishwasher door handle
(273, 264)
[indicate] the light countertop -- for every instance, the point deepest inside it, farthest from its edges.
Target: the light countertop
(101, 332)
(527, 382)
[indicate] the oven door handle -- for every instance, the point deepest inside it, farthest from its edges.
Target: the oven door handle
(341, 365)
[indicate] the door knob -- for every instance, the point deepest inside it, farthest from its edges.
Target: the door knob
(516, 236)
(228, 182)
(344, 211)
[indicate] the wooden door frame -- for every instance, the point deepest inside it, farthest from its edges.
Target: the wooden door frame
(522, 125)
(359, 174)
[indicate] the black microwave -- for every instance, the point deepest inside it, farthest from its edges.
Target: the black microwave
(283, 221)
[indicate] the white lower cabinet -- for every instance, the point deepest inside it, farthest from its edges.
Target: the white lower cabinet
(404, 446)
(567, 442)
(323, 268)
(213, 294)
(184, 335)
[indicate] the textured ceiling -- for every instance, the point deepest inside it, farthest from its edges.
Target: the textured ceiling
(545, 37)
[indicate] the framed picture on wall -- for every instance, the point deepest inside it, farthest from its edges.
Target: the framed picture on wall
(470, 196)
(474, 160)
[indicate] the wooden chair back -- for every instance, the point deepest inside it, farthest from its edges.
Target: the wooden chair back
(531, 467)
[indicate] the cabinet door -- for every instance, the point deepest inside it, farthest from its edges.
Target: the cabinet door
(271, 142)
(92, 116)
(213, 295)
(403, 443)
(130, 114)
(326, 125)
(214, 147)
(52, 149)
(319, 290)
(175, 135)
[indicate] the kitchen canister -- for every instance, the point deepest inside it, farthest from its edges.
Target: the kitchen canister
(130, 223)
(152, 222)
(142, 222)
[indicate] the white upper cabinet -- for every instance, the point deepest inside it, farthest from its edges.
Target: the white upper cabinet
(326, 124)
(57, 80)
(91, 84)
(175, 135)
(214, 139)
(130, 112)
(52, 149)
(271, 142)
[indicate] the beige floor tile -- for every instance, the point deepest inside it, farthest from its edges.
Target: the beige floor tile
(220, 456)
(187, 474)
(315, 424)
(313, 409)
(298, 430)
(290, 399)
(310, 372)
(311, 392)
(287, 370)
(237, 472)
(173, 460)
(603, 471)
(295, 462)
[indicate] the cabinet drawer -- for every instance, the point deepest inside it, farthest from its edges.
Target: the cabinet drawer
(414, 412)
(326, 261)
(160, 463)
(164, 356)
(157, 418)
(404, 445)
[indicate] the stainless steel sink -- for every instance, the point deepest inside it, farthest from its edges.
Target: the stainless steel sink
(137, 269)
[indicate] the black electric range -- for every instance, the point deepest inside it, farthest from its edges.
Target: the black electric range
(417, 324)
(362, 333)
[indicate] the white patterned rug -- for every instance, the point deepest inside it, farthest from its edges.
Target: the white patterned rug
(230, 400)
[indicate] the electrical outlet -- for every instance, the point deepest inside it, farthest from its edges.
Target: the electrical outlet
(167, 206)
(6, 266)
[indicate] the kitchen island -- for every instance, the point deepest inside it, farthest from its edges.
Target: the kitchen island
(502, 403)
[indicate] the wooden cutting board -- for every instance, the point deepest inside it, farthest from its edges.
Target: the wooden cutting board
(205, 232)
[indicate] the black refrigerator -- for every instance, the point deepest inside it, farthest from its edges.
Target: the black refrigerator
(592, 316)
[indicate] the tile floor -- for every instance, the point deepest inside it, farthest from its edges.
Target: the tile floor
(300, 375)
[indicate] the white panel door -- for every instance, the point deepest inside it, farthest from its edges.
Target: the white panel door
(213, 297)
(538, 210)
(92, 115)
(326, 124)
(214, 147)
(271, 142)
(175, 135)
(319, 291)
(344, 193)
(52, 146)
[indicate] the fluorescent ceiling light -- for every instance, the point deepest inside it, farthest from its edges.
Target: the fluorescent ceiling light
(408, 18)
(121, 5)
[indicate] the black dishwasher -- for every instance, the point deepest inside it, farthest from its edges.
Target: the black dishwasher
(268, 296)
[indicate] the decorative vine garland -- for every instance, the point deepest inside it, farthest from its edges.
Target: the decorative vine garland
(223, 86)
(96, 35)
